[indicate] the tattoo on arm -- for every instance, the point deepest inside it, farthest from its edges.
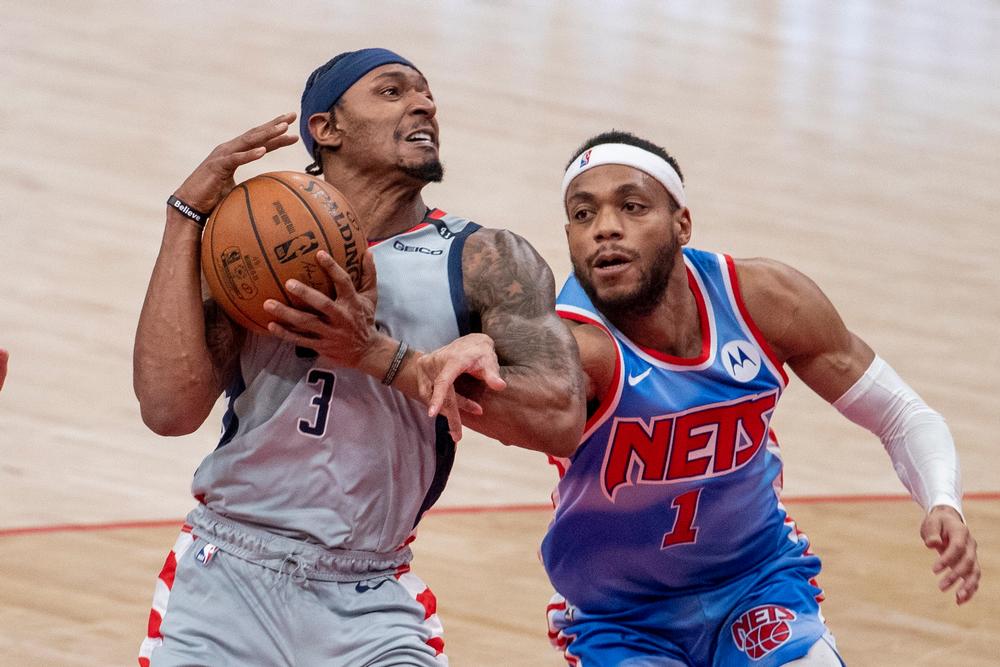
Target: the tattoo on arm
(513, 290)
(224, 339)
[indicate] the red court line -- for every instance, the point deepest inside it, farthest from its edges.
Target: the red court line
(475, 509)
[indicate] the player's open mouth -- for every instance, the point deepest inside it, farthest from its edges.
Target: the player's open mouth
(421, 137)
(611, 263)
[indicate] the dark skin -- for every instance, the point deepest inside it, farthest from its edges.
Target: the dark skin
(619, 217)
(377, 147)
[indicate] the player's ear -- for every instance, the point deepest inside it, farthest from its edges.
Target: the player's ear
(682, 222)
(325, 130)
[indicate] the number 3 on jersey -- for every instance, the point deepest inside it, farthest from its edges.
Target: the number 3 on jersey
(684, 530)
(321, 402)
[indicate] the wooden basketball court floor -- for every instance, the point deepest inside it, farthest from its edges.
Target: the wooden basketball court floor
(858, 141)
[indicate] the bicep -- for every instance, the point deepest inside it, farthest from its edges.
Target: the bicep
(831, 372)
(804, 328)
(513, 291)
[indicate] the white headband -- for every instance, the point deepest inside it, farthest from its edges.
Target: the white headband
(630, 156)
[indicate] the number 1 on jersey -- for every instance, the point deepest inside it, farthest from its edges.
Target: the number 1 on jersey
(321, 401)
(684, 530)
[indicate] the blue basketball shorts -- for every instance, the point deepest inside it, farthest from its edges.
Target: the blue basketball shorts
(767, 617)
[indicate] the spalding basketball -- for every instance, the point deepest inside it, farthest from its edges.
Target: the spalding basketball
(268, 230)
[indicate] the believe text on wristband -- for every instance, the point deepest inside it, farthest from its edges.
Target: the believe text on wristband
(187, 211)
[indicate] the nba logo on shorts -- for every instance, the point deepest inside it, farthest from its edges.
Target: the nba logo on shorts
(762, 629)
(205, 555)
(585, 159)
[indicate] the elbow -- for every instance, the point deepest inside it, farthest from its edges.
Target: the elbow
(163, 419)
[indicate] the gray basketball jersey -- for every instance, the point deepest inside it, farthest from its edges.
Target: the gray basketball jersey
(327, 454)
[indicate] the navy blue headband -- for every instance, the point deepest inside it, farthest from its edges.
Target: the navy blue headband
(328, 82)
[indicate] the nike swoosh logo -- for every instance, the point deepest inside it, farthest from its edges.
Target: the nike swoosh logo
(362, 587)
(633, 380)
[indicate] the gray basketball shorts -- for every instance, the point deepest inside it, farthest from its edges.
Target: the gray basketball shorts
(213, 607)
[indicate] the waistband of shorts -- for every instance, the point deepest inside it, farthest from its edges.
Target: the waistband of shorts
(288, 555)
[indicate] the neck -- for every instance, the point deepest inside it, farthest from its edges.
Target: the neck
(385, 206)
(673, 325)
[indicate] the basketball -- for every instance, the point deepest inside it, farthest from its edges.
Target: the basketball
(268, 230)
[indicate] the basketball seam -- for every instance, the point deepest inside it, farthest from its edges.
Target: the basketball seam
(219, 277)
(263, 250)
(319, 224)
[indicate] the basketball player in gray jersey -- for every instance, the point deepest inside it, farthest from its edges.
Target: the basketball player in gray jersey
(297, 553)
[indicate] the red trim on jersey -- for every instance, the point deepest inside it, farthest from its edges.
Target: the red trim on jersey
(761, 341)
(608, 399)
(559, 464)
(706, 331)
(436, 214)
(373, 243)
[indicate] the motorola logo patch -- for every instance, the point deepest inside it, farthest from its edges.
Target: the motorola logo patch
(741, 360)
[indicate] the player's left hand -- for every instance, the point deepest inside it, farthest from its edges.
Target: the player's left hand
(944, 531)
(472, 354)
(340, 328)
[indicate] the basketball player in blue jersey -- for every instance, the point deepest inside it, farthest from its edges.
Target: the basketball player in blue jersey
(670, 544)
(297, 553)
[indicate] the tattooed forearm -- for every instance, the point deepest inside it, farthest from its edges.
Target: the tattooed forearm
(524, 344)
(510, 287)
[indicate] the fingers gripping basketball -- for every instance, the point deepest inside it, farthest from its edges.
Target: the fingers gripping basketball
(267, 231)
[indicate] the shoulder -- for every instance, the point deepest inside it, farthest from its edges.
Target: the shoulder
(763, 276)
(500, 242)
(500, 267)
(784, 303)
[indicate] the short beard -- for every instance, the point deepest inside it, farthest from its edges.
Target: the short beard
(431, 171)
(644, 298)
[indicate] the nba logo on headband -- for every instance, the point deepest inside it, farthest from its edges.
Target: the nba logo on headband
(585, 159)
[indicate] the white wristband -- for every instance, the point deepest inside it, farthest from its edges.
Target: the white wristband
(915, 436)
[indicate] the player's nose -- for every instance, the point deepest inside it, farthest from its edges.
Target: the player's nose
(606, 226)
(423, 104)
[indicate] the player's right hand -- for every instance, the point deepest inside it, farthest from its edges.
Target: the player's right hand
(213, 179)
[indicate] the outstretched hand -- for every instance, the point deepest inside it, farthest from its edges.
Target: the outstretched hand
(213, 178)
(474, 355)
(340, 327)
(944, 531)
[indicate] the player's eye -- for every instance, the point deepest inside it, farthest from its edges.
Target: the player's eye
(633, 207)
(581, 214)
(389, 91)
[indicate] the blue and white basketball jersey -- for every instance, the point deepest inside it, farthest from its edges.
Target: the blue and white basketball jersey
(675, 486)
(327, 454)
